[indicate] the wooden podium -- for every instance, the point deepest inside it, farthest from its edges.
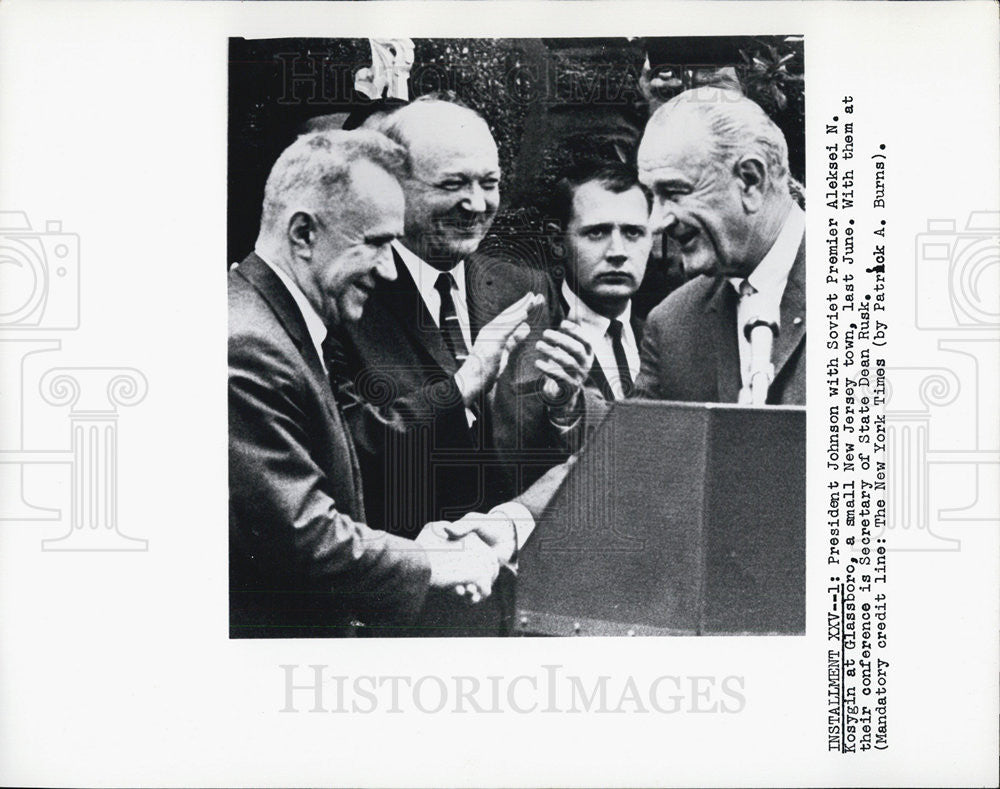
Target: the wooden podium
(677, 519)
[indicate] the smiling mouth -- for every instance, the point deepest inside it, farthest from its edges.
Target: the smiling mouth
(466, 227)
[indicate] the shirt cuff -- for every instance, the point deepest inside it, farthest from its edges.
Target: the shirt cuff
(521, 520)
(564, 425)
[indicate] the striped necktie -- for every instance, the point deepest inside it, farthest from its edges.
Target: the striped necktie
(448, 322)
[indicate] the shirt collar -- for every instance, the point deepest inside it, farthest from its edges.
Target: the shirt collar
(314, 323)
(581, 312)
(425, 275)
(772, 272)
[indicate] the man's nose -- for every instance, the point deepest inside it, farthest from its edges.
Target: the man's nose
(663, 218)
(616, 248)
(475, 199)
(385, 266)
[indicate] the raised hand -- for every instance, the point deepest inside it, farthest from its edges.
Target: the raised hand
(566, 358)
(495, 341)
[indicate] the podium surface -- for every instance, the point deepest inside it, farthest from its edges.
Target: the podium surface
(677, 519)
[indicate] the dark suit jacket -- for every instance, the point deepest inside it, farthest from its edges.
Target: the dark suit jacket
(420, 460)
(690, 351)
(302, 561)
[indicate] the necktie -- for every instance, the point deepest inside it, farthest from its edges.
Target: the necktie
(341, 380)
(450, 327)
(624, 374)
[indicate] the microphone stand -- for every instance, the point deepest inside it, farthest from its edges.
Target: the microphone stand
(760, 334)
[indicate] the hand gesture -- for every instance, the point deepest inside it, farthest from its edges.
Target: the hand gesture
(495, 529)
(467, 565)
(566, 359)
(493, 345)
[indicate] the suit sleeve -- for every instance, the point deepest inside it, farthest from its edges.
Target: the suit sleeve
(298, 529)
(373, 402)
(651, 359)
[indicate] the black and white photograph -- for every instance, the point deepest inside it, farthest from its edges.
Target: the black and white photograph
(499, 393)
(517, 337)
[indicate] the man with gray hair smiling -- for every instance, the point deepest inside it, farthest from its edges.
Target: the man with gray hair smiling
(718, 170)
(302, 560)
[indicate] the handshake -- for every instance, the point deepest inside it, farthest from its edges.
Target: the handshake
(466, 555)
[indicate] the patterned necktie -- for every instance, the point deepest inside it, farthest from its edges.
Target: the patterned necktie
(449, 324)
(341, 380)
(624, 374)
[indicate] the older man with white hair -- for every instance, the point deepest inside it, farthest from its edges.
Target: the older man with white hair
(718, 170)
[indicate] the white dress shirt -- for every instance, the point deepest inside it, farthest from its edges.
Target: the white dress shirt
(425, 277)
(595, 328)
(314, 323)
(768, 281)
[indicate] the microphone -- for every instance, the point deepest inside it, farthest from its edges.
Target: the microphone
(760, 332)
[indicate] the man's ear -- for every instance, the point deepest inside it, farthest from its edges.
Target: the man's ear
(301, 233)
(752, 174)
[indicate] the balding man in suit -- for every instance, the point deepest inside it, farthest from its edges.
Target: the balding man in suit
(433, 341)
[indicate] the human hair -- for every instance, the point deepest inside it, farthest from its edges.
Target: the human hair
(316, 169)
(616, 177)
(735, 125)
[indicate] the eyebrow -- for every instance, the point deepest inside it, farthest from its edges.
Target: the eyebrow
(605, 226)
(672, 184)
(467, 176)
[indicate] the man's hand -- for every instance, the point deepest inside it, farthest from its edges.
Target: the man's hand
(495, 529)
(467, 565)
(566, 359)
(495, 342)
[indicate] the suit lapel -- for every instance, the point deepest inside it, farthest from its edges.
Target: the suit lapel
(404, 302)
(720, 310)
(266, 282)
(274, 292)
(793, 310)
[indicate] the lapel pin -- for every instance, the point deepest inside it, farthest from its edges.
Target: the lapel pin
(797, 320)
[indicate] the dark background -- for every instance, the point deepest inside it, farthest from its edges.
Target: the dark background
(549, 102)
